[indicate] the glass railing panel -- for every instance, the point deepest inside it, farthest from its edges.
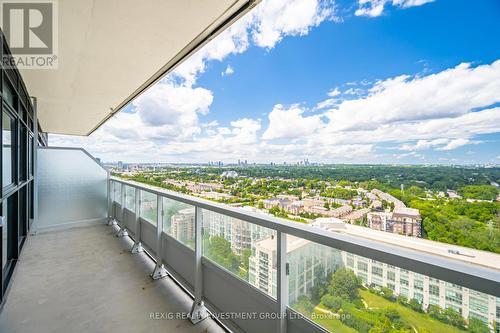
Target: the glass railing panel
(130, 198)
(231, 243)
(149, 207)
(178, 221)
(117, 192)
(345, 292)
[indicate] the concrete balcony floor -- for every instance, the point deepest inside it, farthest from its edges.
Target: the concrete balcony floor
(84, 279)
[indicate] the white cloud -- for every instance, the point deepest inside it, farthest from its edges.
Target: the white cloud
(274, 19)
(334, 92)
(229, 71)
(441, 144)
(442, 111)
(424, 144)
(374, 8)
(450, 93)
(265, 25)
(290, 123)
(327, 103)
(454, 144)
(169, 104)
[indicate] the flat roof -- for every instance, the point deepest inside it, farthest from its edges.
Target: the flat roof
(478, 257)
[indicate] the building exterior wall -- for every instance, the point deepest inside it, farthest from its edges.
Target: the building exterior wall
(308, 262)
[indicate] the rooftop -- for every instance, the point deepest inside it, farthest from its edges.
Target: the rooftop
(487, 259)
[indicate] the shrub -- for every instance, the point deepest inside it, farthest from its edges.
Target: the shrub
(402, 300)
(387, 293)
(359, 324)
(391, 313)
(333, 303)
(304, 305)
(415, 305)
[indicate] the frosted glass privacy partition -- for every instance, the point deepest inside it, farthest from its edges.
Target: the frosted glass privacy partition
(72, 187)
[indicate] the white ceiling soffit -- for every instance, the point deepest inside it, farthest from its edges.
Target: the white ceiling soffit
(112, 50)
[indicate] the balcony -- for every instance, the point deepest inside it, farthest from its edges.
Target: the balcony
(174, 256)
(102, 254)
(84, 279)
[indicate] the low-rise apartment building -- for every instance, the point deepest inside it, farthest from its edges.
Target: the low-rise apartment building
(389, 198)
(402, 221)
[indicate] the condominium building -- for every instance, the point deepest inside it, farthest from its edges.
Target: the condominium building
(426, 290)
(402, 221)
(239, 233)
(308, 262)
(182, 225)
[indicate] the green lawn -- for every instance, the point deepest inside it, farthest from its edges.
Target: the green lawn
(332, 325)
(419, 320)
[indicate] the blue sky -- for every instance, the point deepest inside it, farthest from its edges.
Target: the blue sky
(367, 81)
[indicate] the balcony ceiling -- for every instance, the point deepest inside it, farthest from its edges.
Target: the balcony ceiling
(111, 50)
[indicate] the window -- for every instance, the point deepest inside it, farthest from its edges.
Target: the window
(9, 239)
(23, 146)
(30, 155)
(362, 266)
(377, 271)
(453, 296)
(8, 93)
(418, 285)
(434, 290)
(8, 151)
(5, 239)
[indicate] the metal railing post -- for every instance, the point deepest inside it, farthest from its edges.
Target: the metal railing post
(123, 231)
(282, 281)
(36, 180)
(137, 247)
(111, 212)
(108, 183)
(159, 270)
(198, 310)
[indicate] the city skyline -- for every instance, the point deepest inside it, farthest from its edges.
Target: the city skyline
(335, 82)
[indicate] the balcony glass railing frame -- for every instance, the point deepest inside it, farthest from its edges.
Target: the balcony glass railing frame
(476, 277)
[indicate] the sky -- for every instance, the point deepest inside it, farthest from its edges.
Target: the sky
(351, 81)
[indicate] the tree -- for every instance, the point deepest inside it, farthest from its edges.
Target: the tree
(345, 284)
(320, 285)
(478, 326)
(245, 259)
(454, 318)
(436, 312)
(219, 250)
(482, 192)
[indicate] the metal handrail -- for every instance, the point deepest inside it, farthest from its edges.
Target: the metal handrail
(466, 274)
